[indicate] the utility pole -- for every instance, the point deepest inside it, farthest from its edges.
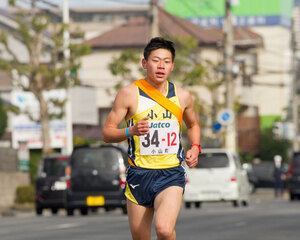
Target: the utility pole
(230, 139)
(66, 37)
(295, 42)
(154, 24)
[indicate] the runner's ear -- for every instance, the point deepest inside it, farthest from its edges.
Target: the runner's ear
(144, 63)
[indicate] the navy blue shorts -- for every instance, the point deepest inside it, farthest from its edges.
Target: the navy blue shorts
(143, 185)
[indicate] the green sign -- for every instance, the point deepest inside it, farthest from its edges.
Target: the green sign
(23, 157)
(207, 13)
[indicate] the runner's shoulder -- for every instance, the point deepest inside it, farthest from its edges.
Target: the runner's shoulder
(127, 91)
(183, 93)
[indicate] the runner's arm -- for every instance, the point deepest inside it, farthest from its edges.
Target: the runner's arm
(111, 133)
(193, 131)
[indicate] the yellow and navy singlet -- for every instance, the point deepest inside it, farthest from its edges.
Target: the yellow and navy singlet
(161, 148)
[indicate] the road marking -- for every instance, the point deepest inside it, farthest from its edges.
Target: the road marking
(64, 226)
(240, 224)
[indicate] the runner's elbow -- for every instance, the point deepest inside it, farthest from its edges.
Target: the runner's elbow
(105, 136)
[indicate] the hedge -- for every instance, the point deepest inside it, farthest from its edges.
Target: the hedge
(24, 194)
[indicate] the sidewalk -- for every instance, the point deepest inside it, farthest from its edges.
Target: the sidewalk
(17, 211)
(266, 194)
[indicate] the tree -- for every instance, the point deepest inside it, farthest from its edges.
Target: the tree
(33, 32)
(271, 146)
(121, 66)
(3, 119)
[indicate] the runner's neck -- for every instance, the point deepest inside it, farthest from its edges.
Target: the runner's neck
(160, 86)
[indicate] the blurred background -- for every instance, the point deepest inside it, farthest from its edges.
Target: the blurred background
(62, 62)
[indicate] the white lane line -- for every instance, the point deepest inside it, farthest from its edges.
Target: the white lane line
(64, 226)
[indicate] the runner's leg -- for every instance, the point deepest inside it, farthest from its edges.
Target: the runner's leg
(167, 205)
(140, 220)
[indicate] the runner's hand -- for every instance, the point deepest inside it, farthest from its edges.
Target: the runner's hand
(141, 127)
(191, 157)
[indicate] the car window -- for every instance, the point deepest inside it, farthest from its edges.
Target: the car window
(55, 167)
(212, 160)
(97, 158)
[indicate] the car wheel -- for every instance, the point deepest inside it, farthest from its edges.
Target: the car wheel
(108, 209)
(94, 210)
(187, 205)
(235, 203)
(54, 210)
(70, 211)
(292, 197)
(124, 210)
(83, 211)
(197, 204)
(245, 203)
(39, 211)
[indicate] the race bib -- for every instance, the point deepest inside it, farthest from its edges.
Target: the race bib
(162, 139)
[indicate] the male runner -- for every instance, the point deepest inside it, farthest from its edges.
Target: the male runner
(153, 109)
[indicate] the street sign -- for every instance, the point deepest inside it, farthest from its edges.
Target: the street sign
(284, 130)
(216, 126)
(23, 156)
(225, 116)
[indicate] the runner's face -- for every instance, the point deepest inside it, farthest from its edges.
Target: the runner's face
(159, 65)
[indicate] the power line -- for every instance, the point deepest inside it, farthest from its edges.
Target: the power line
(135, 2)
(27, 3)
(74, 3)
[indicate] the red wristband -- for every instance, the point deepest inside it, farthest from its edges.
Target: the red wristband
(198, 146)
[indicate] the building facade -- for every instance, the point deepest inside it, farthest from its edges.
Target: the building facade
(271, 81)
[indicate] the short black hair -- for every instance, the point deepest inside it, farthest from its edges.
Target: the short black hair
(157, 43)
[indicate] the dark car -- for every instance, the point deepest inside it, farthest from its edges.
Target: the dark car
(264, 174)
(294, 176)
(96, 179)
(50, 183)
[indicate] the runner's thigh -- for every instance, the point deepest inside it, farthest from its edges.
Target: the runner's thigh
(167, 206)
(140, 220)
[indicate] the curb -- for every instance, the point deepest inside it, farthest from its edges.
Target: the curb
(267, 194)
(16, 210)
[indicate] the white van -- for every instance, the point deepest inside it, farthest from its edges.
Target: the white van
(219, 176)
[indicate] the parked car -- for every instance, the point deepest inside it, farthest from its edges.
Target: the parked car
(264, 173)
(50, 183)
(218, 176)
(96, 179)
(251, 176)
(293, 176)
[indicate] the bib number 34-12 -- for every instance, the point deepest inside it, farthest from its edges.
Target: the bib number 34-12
(162, 139)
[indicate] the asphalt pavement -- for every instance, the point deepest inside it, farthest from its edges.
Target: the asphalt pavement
(260, 194)
(265, 218)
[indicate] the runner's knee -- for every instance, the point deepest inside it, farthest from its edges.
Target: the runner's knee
(163, 231)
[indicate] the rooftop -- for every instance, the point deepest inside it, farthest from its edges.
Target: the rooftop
(136, 33)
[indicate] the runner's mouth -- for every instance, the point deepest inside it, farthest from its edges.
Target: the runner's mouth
(160, 74)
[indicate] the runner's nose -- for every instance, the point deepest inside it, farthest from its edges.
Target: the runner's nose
(161, 65)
